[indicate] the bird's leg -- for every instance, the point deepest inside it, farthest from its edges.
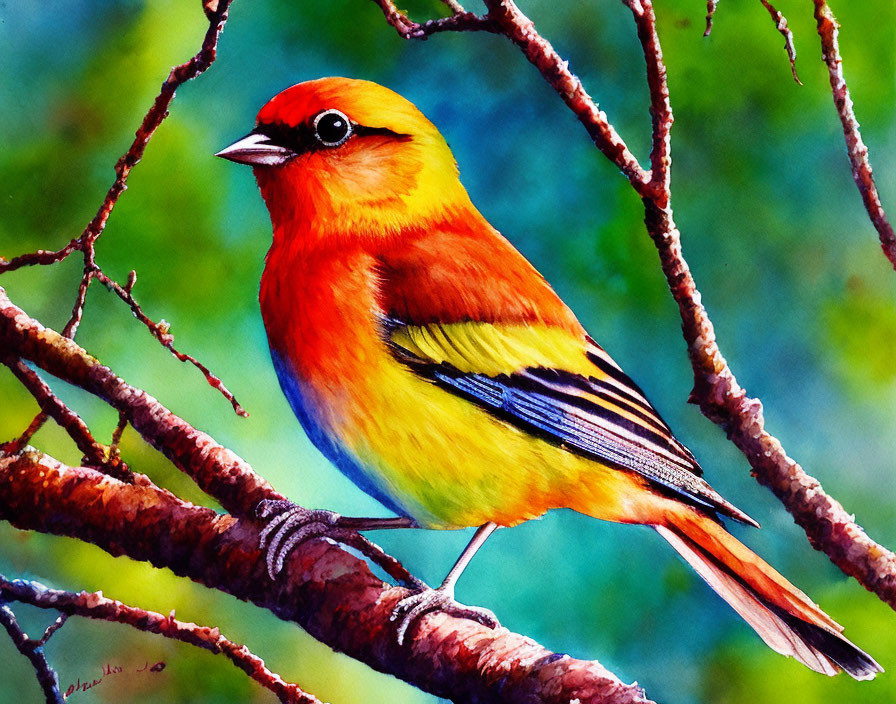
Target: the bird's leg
(291, 524)
(426, 599)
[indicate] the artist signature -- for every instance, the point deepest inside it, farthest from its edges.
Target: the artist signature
(107, 671)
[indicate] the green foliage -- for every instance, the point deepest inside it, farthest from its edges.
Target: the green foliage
(772, 226)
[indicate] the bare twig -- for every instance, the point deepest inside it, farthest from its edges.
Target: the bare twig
(16, 445)
(117, 433)
(34, 651)
(828, 28)
(53, 406)
(52, 628)
(711, 6)
(327, 591)
(455, 7)
(96, 606)
(459, 21)
(161, 331)
(781, 24)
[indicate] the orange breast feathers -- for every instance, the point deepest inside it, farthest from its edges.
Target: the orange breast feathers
(318, 292)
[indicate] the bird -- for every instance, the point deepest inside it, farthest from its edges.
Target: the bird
(432, 364)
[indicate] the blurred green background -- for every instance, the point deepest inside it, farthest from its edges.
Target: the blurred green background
(790, 269)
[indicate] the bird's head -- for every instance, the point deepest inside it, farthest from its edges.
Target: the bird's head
(352, 155)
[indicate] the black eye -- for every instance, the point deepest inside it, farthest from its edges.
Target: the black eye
(332, 128)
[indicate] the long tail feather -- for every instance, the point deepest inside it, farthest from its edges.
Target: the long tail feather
(785, 618)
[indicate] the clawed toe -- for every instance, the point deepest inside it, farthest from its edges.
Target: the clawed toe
(413, 607)
(290, 526)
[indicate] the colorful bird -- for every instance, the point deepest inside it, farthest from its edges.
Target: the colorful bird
(431, 363)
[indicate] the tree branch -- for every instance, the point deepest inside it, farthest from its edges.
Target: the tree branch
(781, 25)
(34, 651)
(327, 591)
(96, 606)
(220, 473)
(459, 21)
(828, 29)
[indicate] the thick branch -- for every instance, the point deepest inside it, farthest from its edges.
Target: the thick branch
(96, 606)
(328, 592)
(218, 471)
(828, 29)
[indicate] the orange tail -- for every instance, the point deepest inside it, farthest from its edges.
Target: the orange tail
(785, 618)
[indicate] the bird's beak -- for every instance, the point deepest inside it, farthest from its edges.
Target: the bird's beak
(256, 149)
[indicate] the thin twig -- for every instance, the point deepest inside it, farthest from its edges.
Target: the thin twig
(117, 433)
(53, 406)
(161, 331)
(711, 6)
(781, 24)
(828, 29)
(96, 606)
(459, 21)
(660, 106)
(455, 7)
(52, 628)
(16, 445)
(34, 651)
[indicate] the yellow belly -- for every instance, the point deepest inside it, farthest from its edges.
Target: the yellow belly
(453, 464)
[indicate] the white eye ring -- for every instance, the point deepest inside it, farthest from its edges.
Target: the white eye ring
(341, 115)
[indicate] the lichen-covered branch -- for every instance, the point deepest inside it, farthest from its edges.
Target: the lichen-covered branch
(327, 591)
(96, 606)
(828, 28)
(721, 399)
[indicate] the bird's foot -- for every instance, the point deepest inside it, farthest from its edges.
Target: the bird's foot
(290, 525)
(416, 605)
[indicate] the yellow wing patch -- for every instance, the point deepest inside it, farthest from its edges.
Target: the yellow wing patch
(492, 350)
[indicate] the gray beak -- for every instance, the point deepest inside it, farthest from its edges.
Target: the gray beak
(256, 149)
